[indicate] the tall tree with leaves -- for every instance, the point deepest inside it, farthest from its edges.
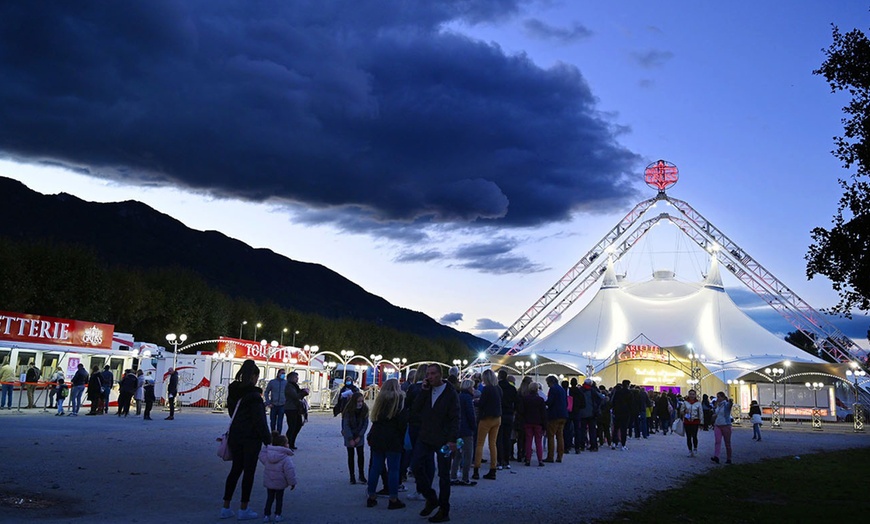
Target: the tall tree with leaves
(842, 253)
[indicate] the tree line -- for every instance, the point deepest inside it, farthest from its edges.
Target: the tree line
(70, 281)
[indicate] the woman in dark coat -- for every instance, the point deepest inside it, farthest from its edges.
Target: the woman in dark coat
(95, 390)
(249, 430)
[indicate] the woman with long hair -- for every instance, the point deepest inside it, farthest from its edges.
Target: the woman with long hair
(755, 418)
(354, 422)
(249, 430)
(462, 456)
(387, 440)
(722, 427)
(488, 423)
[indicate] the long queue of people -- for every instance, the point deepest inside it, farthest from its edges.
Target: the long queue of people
(429, 421)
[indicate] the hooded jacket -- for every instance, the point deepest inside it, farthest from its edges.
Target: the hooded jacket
(279, 471)
(249, 423)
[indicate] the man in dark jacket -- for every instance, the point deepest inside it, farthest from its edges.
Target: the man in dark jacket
(508, 407)
(79, 381)
(557, 415)
(587, 409)
(293, 395)
(108, 379)
(32, 377)
(621, 401)
(172, 392)
(437, 408)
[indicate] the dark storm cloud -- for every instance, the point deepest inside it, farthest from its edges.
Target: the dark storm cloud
(486, 323)
(364, 111)
(451, 319)
(652, 59)
(540, 29)
(495, 257)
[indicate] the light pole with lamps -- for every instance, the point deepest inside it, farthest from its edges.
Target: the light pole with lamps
(346, 355)
(401, 364)
(175, 341)
(523, 366)
(220, 389)
(269, 348)
(535, 364)
(590, 368)
(817, 413)
(376, 360)
(296, 332)
(857, 409)
(257, 326)
(283, 332)
(775, 409)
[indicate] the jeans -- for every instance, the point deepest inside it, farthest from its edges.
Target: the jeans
(76, 396)
(620, 429)
(719, 433)
(6, 395)
(504, 439)
(276, 418)
(588, 433)
(555, 430)
(756, 431)
(60, 405)
(107, 393)
(276, 495)
(423, 464)
(665, 422)
(487, 427)
(294, 424)
(642, 425)
(462, 455)
(534, 432)
(393, 458)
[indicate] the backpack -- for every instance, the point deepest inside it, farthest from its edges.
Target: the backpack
(62, 392)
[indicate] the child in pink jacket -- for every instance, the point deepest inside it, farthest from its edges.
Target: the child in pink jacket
(278, 475)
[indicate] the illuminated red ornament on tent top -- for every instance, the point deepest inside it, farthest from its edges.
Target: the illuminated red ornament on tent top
(661, 175)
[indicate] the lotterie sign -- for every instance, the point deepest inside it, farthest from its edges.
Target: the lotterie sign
(249, 349)
(36, 329)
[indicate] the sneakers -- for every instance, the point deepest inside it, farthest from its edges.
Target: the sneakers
(613, 446)
(396, 504)
(227, 513)
(691, 453)
(371, 502)
(469, 483)
(267, 518)
(416, 496)
(246, 514)
(715, 459)
(402, 488)
(624, 448)
(278, 518)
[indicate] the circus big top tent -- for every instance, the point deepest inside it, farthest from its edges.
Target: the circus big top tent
(668, 334)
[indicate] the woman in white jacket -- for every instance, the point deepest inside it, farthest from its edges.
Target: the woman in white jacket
(692, 415)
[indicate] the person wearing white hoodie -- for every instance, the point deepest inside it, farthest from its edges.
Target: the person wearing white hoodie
(279, 474)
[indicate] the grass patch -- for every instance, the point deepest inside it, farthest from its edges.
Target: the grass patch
(822, 487)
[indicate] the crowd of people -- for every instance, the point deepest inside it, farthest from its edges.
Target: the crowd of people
(433, 427)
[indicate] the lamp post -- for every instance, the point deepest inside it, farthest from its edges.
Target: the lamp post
(346, 355)
(376, 360)
(244, 322)
(283, 332)
(787, 365)
(220, 389)
(269, 348)
(294, 337)
(257, 326)
(775, 408)
(817, 413)
(857, 409)
(401, 364)
(590, 368)
(535, 364)
(523, 366)
(175, 341)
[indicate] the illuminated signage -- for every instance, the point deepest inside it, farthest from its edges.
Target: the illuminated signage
(254, 351)
(37, 329)
(643, 352)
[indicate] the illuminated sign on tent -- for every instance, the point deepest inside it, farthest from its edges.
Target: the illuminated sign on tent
(643, 352)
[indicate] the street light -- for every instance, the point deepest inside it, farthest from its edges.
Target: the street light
(401, 364)
(257, 326)
(283, 331)
(590, 368)
(535, 365)
(346, 355)
(857, 409)
(735, 406)
(244, 322)
(775, 409)
(294, 337)
(220, 389)
(269, 349)
(787, 365)
(376, 359)
(817, 413)
(523, 366)
(175, 341)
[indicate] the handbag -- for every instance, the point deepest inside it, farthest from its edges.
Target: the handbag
(678, 427)
(223, 450)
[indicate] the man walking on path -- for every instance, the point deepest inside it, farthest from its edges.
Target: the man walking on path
(172, 392)
(437, 408)
(275, 400)
(293, 407)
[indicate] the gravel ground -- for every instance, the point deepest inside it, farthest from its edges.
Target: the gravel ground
(106, 469)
